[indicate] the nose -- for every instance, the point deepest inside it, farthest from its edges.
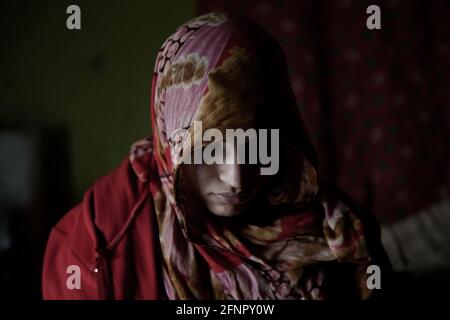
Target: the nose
(231, 174)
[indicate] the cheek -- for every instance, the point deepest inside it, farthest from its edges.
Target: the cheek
(206, 177)
(255, 178)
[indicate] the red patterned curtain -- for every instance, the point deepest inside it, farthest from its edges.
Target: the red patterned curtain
(376, 102)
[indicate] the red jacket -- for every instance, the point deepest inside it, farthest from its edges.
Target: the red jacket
(109, 235)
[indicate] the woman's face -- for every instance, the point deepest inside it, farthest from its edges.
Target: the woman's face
(224, 189)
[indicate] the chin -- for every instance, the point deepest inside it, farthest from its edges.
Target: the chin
(226, 210)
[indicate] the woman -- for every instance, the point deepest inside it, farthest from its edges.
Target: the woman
(159, 227)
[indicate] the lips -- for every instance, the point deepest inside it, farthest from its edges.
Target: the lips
(230, 197)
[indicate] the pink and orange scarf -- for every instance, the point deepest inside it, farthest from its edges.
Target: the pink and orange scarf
(227, 72)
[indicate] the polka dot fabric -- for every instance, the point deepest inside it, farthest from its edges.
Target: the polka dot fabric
(376, 102)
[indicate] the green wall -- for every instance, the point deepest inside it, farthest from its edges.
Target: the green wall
(94, 82)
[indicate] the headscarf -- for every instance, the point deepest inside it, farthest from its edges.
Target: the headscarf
(227, 72)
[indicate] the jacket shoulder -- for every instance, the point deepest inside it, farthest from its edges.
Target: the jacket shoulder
(97, 222)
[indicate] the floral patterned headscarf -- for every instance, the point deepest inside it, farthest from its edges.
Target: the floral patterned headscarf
(227, 72)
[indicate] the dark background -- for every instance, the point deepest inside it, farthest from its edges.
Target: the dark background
(376, 103)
